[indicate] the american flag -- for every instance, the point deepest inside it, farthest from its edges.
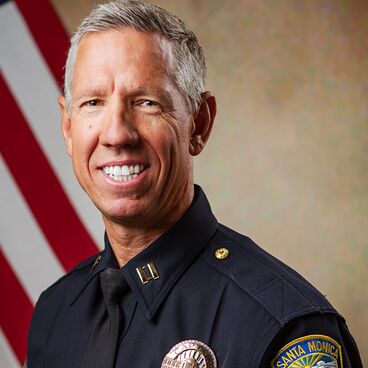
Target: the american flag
(47, 226)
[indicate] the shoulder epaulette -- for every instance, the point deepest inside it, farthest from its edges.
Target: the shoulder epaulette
(278, 288)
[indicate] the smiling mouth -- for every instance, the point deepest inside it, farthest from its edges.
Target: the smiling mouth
(124, 172)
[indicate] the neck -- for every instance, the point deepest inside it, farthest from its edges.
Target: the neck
(126, 243)
(127, 240)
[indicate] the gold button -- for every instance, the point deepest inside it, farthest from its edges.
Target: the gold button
(222, 253)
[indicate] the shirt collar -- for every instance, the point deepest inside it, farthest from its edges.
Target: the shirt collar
(88, 272)
(171, 254)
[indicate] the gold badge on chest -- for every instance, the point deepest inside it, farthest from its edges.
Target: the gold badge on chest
(190, 354)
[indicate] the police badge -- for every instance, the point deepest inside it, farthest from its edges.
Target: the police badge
(313, 351)
(190, 354)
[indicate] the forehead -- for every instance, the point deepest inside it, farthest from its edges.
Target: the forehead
(126, 48)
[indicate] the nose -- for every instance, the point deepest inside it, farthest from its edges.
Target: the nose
(119, 128)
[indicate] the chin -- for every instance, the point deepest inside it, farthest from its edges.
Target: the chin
(122, 213)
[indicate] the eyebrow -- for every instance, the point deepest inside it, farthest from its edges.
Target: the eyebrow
(163, 93)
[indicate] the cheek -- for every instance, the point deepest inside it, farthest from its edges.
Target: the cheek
(170, 133)
(157, 134)
(168, 138)
(162, 146)
(84, 138)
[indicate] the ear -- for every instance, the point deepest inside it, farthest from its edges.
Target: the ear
(202, 123)
(66, 125)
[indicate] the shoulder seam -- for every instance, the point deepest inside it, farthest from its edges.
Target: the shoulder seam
(252, 295)
(308, 305)
(276, 272)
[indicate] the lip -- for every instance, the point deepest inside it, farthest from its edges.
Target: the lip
(122, 163)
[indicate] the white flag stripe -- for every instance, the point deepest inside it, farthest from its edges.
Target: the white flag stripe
(8, 359)
(36, 92)
(25, 246)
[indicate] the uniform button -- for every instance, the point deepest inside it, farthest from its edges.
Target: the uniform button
(222, 253)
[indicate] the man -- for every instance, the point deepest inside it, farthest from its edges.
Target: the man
(173, 288)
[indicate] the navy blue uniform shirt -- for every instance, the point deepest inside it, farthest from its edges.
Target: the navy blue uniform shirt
(204, 282)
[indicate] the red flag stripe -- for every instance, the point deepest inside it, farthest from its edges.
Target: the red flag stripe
(41, 22)
(40, 187)
(19, 247)
(15, 310)
(35, 91)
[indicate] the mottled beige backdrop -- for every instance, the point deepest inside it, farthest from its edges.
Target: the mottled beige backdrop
(287, 162)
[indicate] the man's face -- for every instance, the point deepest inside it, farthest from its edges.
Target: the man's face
(129, 130)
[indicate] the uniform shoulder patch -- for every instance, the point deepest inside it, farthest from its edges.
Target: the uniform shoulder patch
(312, 351)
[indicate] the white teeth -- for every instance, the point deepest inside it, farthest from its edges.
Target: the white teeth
(123, 173)
(125, 170)
(117, 171)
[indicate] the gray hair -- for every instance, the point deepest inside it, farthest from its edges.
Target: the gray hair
(189, 74)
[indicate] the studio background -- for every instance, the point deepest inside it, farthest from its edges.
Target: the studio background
(287, 160)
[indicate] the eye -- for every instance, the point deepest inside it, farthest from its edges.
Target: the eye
(148, 105)
(92, 103)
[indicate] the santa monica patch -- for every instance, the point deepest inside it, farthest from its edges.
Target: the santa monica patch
(313, 351)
